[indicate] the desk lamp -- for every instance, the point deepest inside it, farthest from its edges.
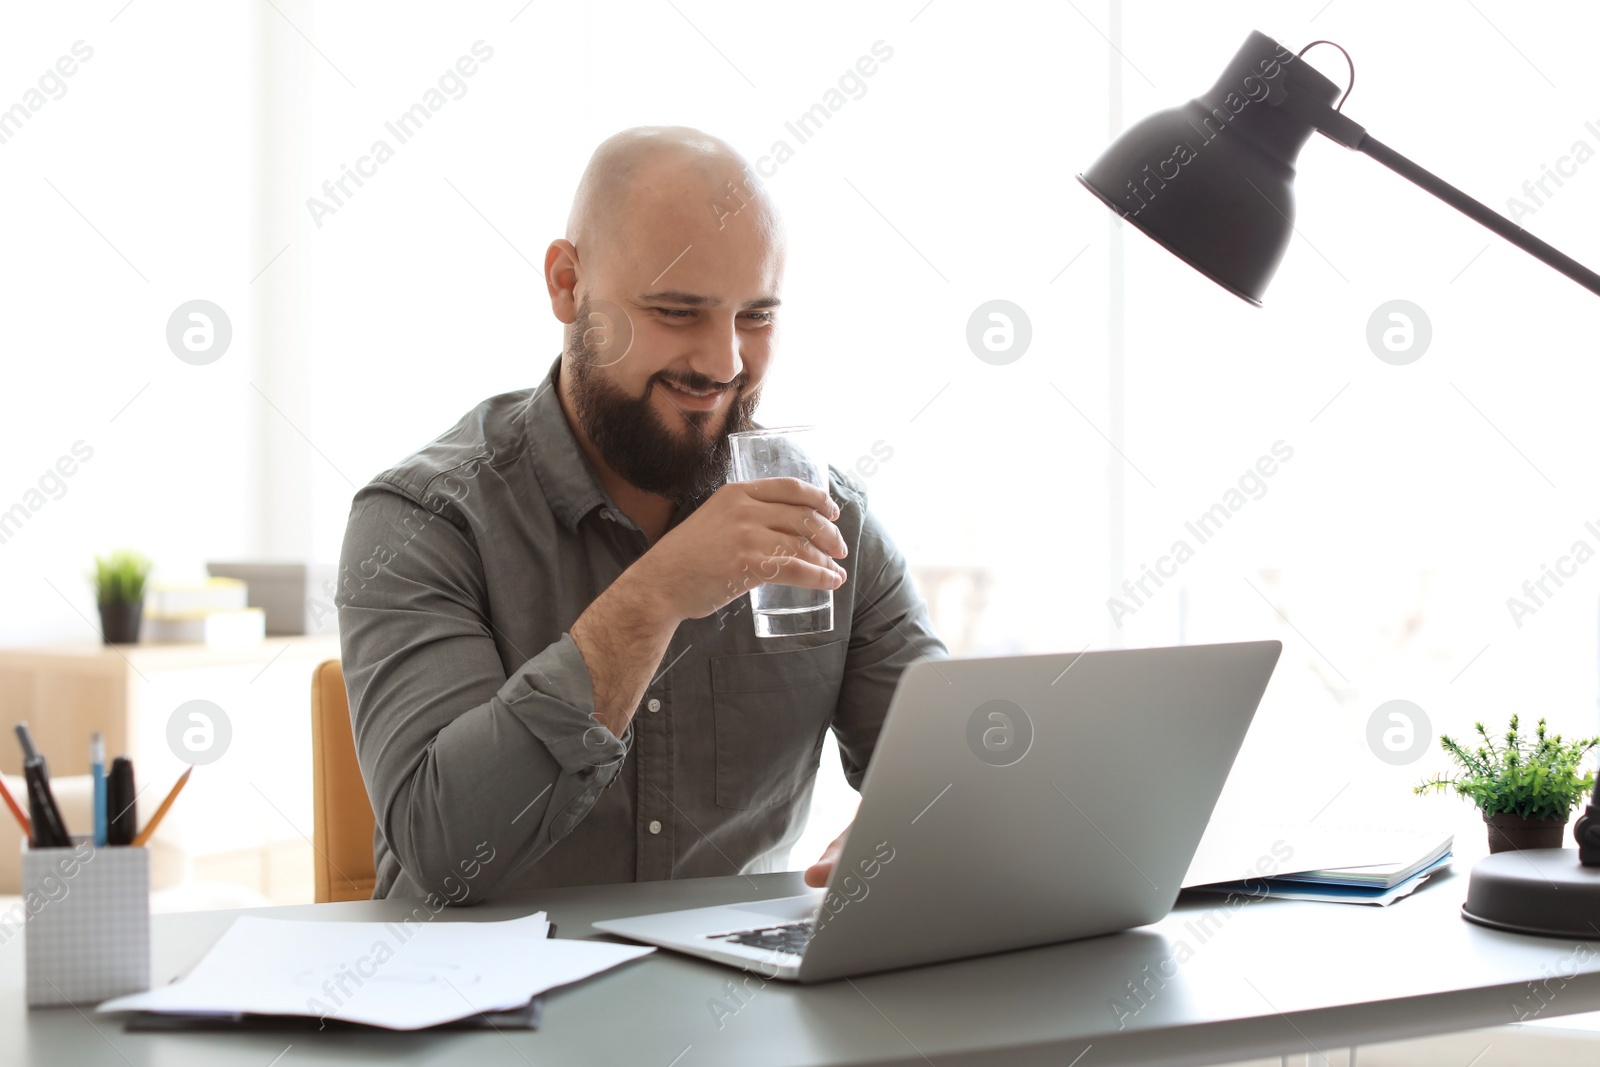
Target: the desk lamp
(1212, 181)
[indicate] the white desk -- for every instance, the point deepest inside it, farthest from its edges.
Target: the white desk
(1261, 979)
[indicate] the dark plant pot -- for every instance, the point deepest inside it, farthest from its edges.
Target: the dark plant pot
(119, 622)
(1510, 833)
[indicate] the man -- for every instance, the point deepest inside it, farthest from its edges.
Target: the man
(553, 673)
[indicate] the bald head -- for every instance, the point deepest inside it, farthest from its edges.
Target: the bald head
(648, 177)
(669, 282)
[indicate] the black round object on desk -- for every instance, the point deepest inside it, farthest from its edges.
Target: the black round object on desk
(1543, 891)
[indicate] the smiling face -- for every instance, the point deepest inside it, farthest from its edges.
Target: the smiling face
(628, 432)
(670, 292)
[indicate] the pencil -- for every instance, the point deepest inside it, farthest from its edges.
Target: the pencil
(21, 816)
(161, 812)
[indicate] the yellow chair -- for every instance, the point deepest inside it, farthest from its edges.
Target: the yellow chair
(342, 810)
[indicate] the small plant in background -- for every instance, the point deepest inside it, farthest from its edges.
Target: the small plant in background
(119, 590)
(119, 577)
(1536, 780)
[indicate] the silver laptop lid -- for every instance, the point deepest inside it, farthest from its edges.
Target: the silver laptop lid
(1022, 800)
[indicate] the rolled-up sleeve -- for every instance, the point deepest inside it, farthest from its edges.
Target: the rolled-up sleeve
(889, 630)
(460, 760)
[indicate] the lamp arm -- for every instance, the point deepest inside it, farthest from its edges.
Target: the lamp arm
(1338, 127)
(1471, 208)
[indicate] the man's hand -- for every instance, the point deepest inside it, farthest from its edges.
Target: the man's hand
(818, 873)
(746, 534)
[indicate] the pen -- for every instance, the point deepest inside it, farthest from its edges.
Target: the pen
(122, 812)
(161, 812)
(16, 810)
(49, 831)
(97, 773)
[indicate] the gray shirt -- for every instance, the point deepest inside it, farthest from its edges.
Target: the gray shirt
(463, 569)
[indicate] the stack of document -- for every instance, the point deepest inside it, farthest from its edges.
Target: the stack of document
(1349, 865)
(399, 975)
(1389, 882)
(214, 611)
(247, 626)
(184, 599)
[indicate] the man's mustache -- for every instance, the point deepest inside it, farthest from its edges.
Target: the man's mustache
(695, 381)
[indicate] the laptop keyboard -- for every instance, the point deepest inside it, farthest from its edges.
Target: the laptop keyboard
(786, 937)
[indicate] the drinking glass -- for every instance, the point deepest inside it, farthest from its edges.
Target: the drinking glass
(784, 452)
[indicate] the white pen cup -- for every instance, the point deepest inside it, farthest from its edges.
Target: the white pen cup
(86, 912)
(784, 452)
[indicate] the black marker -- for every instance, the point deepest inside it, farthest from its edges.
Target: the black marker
(49, 830)
(121, 810)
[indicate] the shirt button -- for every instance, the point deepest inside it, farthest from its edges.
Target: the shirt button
(655, 826)
(654, 704)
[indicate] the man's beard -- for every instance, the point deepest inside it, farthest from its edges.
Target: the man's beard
(633, 440)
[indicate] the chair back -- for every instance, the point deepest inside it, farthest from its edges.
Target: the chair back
(342, 811)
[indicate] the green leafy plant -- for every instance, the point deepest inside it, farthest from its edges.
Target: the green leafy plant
(1536, 780)
(119, 577)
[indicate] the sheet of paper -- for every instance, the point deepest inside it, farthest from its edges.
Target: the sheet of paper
(398, 975)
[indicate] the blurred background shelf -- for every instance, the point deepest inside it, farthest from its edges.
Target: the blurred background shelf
(242, 834)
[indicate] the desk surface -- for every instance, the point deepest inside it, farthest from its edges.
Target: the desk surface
(1219, 982)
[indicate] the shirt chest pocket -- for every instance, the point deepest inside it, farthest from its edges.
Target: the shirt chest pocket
(772, 710)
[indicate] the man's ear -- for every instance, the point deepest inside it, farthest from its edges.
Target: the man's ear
(561, 279)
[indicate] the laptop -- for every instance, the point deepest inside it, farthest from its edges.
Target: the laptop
(1010, 802)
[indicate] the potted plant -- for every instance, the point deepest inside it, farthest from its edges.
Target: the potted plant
(119, 589)
(1525, 789)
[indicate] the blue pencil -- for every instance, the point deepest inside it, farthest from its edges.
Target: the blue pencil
(97, 772)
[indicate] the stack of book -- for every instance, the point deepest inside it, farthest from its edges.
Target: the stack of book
(213, 611)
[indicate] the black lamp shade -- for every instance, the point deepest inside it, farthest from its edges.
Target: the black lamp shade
(1213, 180)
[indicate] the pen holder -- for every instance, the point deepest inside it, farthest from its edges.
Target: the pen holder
(87, 922)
